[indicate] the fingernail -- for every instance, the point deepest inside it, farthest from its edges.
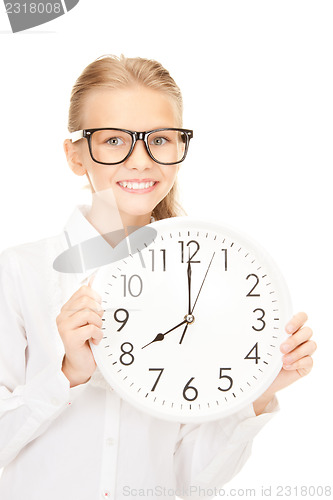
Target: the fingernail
(285, 347)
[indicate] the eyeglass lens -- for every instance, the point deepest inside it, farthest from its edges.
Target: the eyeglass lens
(112, 146)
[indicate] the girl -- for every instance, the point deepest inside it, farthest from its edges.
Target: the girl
(64, 433)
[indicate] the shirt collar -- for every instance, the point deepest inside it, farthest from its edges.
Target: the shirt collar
(86, 250)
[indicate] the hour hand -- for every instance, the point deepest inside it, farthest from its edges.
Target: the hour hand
(160, 336)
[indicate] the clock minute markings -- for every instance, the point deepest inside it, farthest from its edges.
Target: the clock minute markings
(220, 254)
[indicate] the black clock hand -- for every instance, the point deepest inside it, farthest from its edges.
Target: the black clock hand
(160, 336)
(189, 275)
(189, 317)
(191, 312)
(183, 335)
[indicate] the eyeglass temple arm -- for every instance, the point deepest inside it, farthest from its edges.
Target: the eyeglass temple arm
(76, 136)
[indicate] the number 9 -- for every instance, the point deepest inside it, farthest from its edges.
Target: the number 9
(119, 320)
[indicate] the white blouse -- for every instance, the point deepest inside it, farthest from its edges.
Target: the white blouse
(85, 442)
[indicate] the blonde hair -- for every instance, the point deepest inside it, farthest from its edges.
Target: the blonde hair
(120, 72)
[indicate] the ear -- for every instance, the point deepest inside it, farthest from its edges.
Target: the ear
(72, 152)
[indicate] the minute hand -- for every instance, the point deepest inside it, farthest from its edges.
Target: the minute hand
(211, 260)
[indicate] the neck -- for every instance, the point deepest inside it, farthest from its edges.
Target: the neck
(135, 220)
(106, 218)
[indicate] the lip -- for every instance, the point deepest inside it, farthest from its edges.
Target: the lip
(138, 191)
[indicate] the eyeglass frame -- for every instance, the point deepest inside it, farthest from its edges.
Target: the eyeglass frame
(136, 136)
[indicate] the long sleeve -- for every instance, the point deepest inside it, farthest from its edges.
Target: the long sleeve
(27, 407)
(86, 442)
(210, 455)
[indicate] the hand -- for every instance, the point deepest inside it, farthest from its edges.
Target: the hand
(297, 360)
(80, 319)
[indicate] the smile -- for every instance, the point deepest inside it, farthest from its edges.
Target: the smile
(138, 187)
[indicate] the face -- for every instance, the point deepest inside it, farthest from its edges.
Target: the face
(138, 109)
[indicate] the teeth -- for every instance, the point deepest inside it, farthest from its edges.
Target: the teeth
(137, 185)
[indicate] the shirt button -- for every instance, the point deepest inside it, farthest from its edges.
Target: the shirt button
(55, 401)
(110, 441)
(106, 494)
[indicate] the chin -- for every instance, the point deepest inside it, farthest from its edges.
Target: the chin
(137, 210)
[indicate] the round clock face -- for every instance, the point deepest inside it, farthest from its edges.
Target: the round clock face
(193, 321)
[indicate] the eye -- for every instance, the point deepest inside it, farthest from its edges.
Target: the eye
(115, 141)
(159, 141)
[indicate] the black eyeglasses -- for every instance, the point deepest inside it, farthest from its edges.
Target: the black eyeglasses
(111, 146)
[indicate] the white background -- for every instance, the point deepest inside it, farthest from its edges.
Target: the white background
(257, 82)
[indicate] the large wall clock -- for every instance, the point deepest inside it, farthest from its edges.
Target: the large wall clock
(193, 321)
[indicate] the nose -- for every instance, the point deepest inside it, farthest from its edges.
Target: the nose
(139, 159)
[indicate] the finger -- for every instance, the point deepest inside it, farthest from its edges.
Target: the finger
(89, 291)
(88, 332)
(96, 336)
(303, 366)
(82, 318)
(82, 303)
(91, 279)
(306, 349)
(296, 322)
(296, 339)
(83, 291)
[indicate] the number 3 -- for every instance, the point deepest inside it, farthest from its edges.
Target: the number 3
(260, 319)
